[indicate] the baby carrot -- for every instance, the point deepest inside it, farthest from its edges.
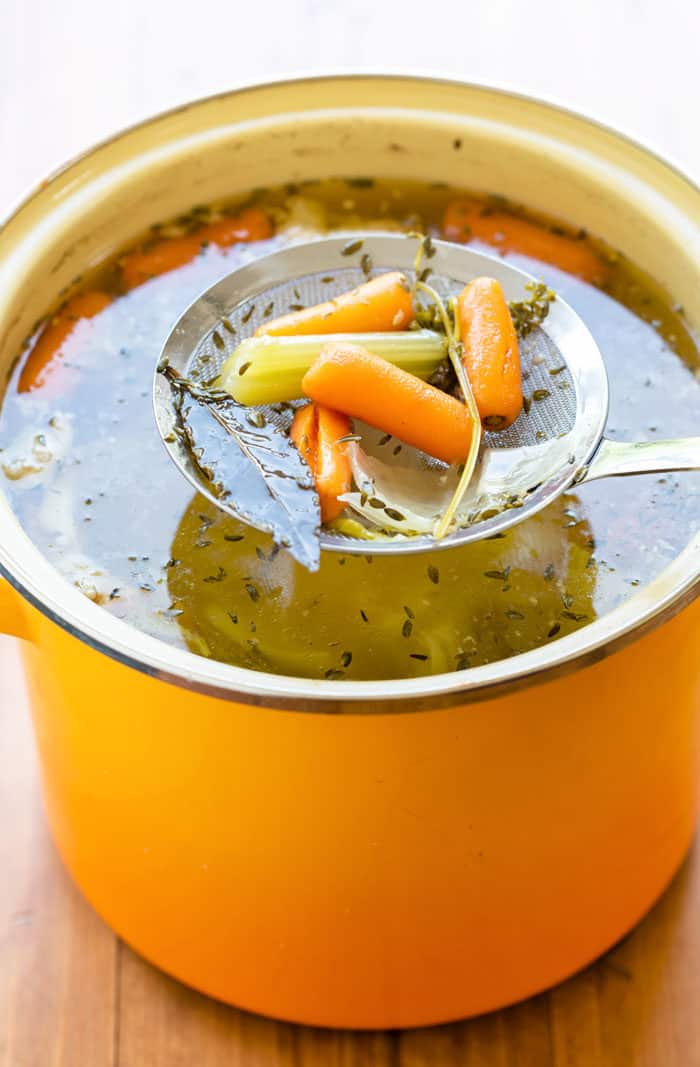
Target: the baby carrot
(465, 220)
(348, 378)
(252, 224)
(303, 433)
(51, 346)
(382, 304)
(491, 357)
(317, 432)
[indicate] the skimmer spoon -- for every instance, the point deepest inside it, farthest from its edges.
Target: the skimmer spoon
(558, 443)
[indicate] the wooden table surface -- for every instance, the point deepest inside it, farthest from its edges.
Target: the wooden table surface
(70, 994)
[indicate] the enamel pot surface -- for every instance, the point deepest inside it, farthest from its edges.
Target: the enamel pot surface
(367, 854)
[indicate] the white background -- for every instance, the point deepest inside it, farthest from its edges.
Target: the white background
(72, 71)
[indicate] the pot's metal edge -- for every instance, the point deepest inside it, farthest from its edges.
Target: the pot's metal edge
(436, 691)
(390, 696)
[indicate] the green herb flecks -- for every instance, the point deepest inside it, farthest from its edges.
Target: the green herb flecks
(528, 314)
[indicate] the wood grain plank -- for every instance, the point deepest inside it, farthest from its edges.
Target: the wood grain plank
(57, 959)
(163, 1024)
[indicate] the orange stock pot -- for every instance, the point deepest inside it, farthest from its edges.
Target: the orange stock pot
(365, 854)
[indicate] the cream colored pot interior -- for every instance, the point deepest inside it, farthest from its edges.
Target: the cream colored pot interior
(393, 127)
(466, 136)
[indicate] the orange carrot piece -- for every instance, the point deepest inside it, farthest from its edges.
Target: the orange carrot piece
(491, 356)
(380, 305)
(350, 379)
(50, 348)
(464, 221)
(303, 433)
(316, 431)
(333, 472)
(163, 256)
(252, 224)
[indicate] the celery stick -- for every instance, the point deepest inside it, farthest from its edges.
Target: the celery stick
(268, 370)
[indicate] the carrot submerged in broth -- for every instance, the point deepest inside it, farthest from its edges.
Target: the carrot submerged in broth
(465, 220)
(168, 254)
(54, 340)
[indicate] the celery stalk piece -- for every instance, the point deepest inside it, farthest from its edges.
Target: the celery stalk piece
(269, 370)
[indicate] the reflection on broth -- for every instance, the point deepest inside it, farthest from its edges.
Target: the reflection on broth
(371, 617)
(86, 472)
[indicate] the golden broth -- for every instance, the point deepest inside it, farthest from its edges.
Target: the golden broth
(87, 474)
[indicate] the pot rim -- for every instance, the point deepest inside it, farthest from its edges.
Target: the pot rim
(47, 590)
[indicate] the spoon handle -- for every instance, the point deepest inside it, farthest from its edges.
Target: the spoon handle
(643, 457)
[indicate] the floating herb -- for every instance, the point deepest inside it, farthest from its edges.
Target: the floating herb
(499, 576)
(418, 655)
(218, 577)
(541, 394)
(351, 247)
(366, 264)
(257, 419)
(363, 615)
(433, 574)
(407, 628)
(346, 659)
(218, 341)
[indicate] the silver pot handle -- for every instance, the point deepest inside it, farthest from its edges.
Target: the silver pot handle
(643, 457)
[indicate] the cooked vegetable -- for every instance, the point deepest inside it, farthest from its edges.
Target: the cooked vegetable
(465, 220)
(490, 352)
(251, 224)
(303, 433)
(267, 370)
(384, 303)
(50, 348)
(454, 350)
(350, 379)
(318, 433)
(414, 497)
